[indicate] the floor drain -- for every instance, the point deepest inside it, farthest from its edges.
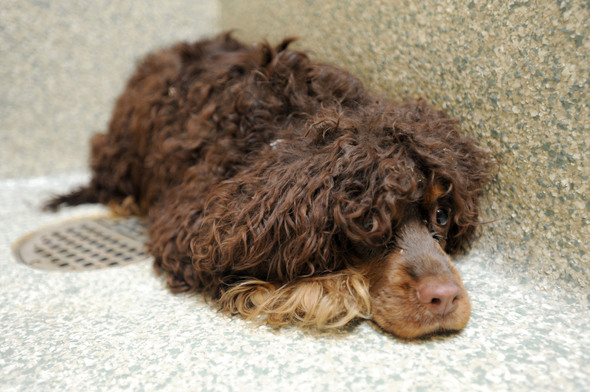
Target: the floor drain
(84, 244)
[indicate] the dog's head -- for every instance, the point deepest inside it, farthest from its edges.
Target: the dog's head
(410, 187)
(415, 289)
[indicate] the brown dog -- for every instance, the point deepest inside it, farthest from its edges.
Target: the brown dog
(279, 187)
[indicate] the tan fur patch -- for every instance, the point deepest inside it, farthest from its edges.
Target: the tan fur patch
(126, 207)
(329, 301)
(433, 193)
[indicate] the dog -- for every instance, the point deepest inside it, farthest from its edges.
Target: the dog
(284, 191)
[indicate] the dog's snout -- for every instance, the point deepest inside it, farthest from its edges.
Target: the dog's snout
(440, 298)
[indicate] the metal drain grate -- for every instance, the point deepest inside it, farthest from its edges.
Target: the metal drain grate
(84, 244)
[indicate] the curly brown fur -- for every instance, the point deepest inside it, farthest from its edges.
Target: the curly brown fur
(280, 187)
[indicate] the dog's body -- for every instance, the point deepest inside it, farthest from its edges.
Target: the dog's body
(280, 187)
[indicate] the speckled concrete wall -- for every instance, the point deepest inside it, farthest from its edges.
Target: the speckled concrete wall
(516, 73)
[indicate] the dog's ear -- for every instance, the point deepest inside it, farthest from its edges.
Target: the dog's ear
(373, 186)
(370, 174)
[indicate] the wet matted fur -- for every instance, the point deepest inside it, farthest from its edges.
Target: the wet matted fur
(283, 190)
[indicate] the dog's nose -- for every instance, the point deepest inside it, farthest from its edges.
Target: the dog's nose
(439, 298)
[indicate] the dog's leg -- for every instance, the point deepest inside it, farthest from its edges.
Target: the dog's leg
(328, 301)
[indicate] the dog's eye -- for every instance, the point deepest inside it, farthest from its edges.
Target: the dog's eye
(441, 216)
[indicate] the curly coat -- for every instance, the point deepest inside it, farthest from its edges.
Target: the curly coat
(280, 187)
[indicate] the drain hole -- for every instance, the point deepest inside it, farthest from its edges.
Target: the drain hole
(84, 244)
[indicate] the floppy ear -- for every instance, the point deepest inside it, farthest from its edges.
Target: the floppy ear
(372, 176)
(371, 191)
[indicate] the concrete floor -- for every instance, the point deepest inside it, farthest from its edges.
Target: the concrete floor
(120, 329)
